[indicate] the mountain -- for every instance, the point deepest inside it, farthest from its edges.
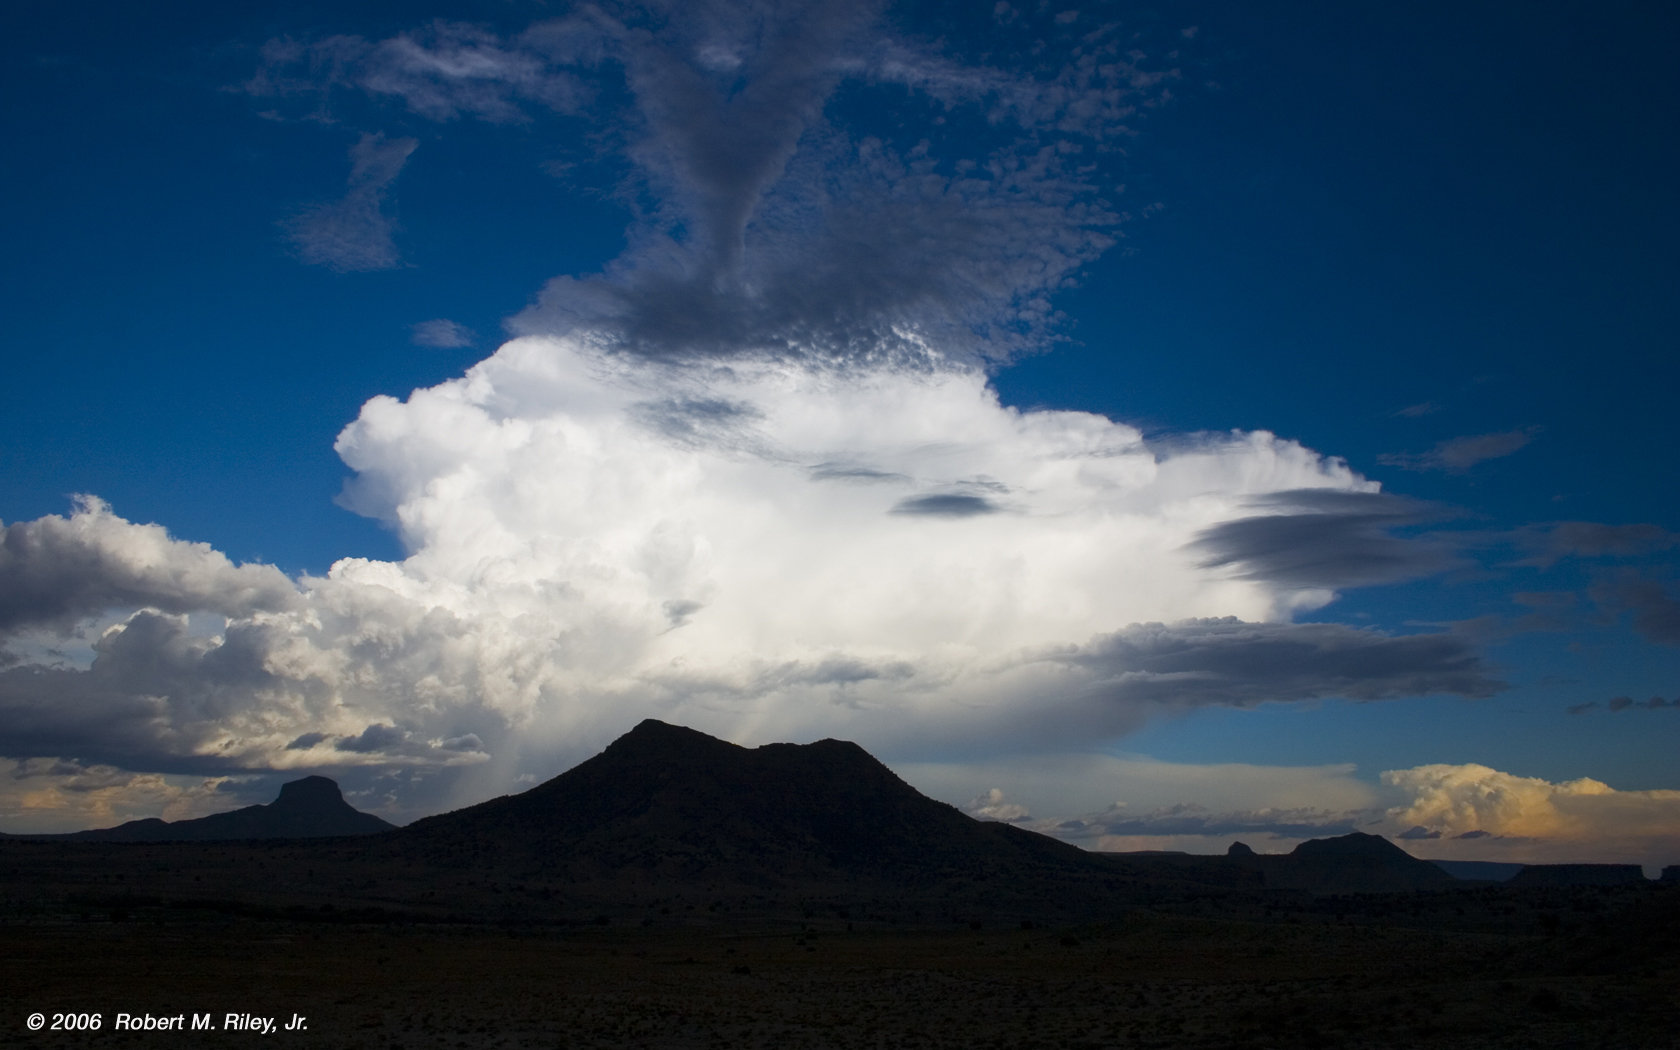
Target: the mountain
(1352, 863)
(313, 807)
(1579, 875)
(666, 803)
(1481, 870)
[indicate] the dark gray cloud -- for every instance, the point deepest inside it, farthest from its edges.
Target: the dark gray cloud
(375, 737)
(1231, 663)
(354, 233)
(945, 506)
(1655, 611)
(853, 472)
(1590, 539)
(1624, 703)
(156, 697)
(1457, 455)
(764, 223)
(1322, 538)
(702, 422)
(55, 572)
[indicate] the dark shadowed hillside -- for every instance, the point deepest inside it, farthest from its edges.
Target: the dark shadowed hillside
(313, 807)
(1579, 875)
(665, 802)
(1352, 863)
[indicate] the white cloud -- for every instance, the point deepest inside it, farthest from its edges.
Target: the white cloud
(1482, 812)
(56, 572)
(596, 540)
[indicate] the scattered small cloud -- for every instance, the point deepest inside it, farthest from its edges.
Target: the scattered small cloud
(355, 233)
(441, 333)
(1418, 831)
(1627, 703)
(375, 737)
(1422, 408)
(991, 806)
(1656, 612)
(1550, 543)
(1457, 455)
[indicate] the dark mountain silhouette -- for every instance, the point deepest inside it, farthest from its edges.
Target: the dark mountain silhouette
(1352, 863)
(668, 803)
(313, 807)
(1578, 875)
(1480, 870)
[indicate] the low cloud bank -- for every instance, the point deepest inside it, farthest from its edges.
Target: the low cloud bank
(1447, 812)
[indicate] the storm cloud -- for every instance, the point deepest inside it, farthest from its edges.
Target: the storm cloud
(752, 476)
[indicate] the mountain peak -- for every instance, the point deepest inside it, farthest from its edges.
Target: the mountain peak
(667, 801)
(1354, 843)
(309, 793)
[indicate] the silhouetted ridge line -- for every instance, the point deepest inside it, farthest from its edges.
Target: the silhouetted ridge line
(669, 802)
(313, 807)
(1578, 875)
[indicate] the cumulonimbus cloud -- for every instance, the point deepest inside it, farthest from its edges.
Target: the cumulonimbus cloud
(596, 540)
(751, 477)
(1581, 819)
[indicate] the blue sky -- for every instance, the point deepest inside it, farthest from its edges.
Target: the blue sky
(1430, 241)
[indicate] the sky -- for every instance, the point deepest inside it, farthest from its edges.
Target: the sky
(1157, 425)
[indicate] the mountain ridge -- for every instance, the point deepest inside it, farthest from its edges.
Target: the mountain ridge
(312, 807)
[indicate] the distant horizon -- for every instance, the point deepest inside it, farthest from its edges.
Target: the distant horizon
(1651, 872)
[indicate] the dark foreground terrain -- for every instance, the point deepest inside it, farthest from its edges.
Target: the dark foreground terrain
(1478, 967)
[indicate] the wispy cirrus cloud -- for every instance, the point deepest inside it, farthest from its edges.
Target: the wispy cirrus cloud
(763, 224)
(441, 333)
(1457, 455)
(355, 233)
